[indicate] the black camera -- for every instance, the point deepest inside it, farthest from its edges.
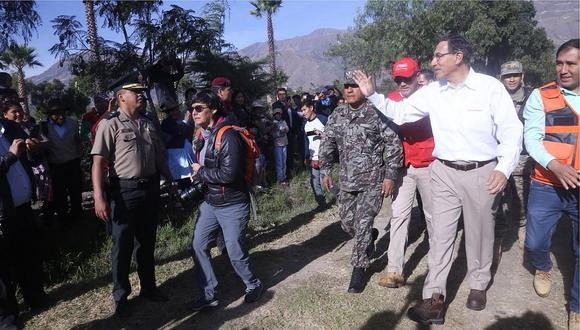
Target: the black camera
(194, 191)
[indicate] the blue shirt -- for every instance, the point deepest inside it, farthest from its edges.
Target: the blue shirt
(18, 179)
(60, 129)
(534, 127)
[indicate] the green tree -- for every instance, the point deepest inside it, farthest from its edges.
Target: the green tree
(19, 57)
(71, 95)
(268, 7)
(18, 19)
(498, 31)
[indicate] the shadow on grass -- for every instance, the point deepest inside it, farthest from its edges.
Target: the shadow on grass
(272, 266)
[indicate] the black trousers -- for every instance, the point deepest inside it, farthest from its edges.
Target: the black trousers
(67, 181)
(19, 263)
(133, 226)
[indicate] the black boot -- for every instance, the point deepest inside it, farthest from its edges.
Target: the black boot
(371, 247)
(357, 280)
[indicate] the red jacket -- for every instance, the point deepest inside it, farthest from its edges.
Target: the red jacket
(417, 137)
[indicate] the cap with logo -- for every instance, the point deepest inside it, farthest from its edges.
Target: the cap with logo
(404, 67)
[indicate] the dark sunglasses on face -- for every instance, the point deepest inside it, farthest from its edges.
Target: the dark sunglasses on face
(199, 108)
(346, 86)
(399, 80)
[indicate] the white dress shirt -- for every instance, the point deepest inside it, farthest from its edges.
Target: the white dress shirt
(18, 179)
(473, 121)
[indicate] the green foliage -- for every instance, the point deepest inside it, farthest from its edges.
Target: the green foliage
(499, 31)
(244, 73)
(71, 95)
(265, 6)
(17, 19)
(18, 57)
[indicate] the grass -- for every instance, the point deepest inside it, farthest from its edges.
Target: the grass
(80, 253)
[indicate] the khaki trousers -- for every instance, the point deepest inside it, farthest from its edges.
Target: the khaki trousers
(455, 191)
(415, 178)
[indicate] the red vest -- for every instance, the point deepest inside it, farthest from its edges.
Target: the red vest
(417, 138)
(561, 133)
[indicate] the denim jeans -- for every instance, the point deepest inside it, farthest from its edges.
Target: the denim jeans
(280, 155)
(317, 186)
(233, 221)
(545, 207)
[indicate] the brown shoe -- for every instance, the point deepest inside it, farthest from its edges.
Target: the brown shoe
(574, 321)
(430, 311)
(476, 300)
(542, 283)
(392, 280)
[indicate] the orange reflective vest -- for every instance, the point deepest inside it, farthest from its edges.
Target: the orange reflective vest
(561, 133)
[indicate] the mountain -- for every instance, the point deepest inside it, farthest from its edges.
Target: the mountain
(55, 71)
(302, 58)
(560, 18)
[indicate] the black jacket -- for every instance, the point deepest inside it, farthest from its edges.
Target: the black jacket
(223, 171)
(11, 131)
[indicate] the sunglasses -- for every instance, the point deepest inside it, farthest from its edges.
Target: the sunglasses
(199, 108)
(399, 80)
(346, 86)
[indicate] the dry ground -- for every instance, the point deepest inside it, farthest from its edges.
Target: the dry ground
(305, 266)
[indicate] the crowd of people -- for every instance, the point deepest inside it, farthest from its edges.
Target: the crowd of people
(458, 142)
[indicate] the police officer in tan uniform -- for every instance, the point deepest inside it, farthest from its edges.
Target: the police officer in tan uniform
(128, 145)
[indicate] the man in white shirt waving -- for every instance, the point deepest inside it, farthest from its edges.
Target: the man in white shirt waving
(478, 139)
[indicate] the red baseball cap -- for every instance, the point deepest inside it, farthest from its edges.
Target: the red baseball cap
(404, 67)
(221, 82)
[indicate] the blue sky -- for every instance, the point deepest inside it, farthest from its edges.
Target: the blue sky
(295, 18)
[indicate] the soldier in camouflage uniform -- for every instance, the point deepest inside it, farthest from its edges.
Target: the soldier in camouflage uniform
(516, 194)
(370, 156)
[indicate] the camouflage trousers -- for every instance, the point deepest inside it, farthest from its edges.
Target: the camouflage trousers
(357, 212)
(518, 188)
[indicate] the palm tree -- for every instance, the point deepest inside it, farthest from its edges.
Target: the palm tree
(269, 7)
(92, 34)
(18, 57)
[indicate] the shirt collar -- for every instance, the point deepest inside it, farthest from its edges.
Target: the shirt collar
(469, 82)
(567, 91)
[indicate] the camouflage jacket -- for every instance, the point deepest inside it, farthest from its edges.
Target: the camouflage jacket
(368, 149)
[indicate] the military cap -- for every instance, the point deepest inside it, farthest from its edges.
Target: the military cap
(131, 81)
(348, 78)
(258, 104)
(221, 82)
(511, 67)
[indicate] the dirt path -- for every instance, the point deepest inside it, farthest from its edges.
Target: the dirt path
(305, 265)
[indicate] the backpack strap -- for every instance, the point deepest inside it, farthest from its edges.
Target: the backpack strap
(220, 133)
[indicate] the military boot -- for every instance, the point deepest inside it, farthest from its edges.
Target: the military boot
(357, 280)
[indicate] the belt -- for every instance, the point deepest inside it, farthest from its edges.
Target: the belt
(466, 166)
(133, 183)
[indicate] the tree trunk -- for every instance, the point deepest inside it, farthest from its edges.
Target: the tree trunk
(92, 31)
(272, 49)
(22, 90)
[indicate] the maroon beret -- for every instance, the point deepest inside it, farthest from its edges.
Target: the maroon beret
(221, 82)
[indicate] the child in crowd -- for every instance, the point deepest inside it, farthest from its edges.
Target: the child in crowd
(280, 136)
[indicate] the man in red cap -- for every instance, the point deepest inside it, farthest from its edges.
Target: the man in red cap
(418, 146)
(222, 86)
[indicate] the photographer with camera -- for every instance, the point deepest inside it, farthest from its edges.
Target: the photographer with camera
(19, 255)
(221, 153)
